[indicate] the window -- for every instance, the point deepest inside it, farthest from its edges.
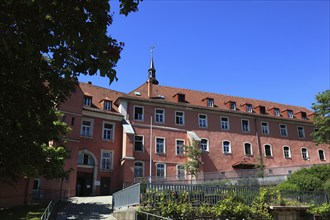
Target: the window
(283, 131)
(321, 155)
(138, 169)
(262, 109)
(87, 101)
(245, 125)
(304, 115)
(160, 145)
(204, 144)
(210, 102)
(268, 150)
(179, 147)
(138, 143)
(264, 128)
(181, 172)
(202, 121)
(277, 112)
(301, 132)
(249, 108)
(224, 123)
(290, 114)
(247, 149)
(159, 115)
(232, 105)
(86, 128)
(107, 105)
(85, 159)
(226, 147)
(304, 154)
(179, 118)
(36, 184)
(72, 121)
(138, 113)
(160, 170)
(108, 131)
(181, 98)
(286, 152)
(106, 164)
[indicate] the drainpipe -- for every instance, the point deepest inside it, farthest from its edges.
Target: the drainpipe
(259, 146)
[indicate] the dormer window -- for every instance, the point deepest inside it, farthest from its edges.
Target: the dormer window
(107, 105)
(232, 105)
(277, 112)
(87, 100)
(249, 108)
(181, 97)
(262, 109)
(210, 102)
(304, 115)
(290, 114)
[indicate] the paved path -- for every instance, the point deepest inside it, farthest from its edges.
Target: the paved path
(97, 207)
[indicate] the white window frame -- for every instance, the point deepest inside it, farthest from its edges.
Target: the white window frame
(159, 116)
(88, 101)
(140, 116)
(249, 108)
(112, 134)
(284, 129)
(207, 145)
(164, 145)
(318, 153)
(138, 161)
(182, 168)
(202, 122)
(245, 149)
(290, 114)
(301, 131)
(284, 152)
(179, 148)
(265, 128)
(232, 105)
(270, 149)
(210, 102)
(229, 147)
(107, 105)
(246, 129)
(164, 176)
(179, 116)
(141, 143)
(90, 133)
(277, 112)
(110, 158)
(306, 156)
(224, 124)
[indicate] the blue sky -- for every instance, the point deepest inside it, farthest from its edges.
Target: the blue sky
(269, 50)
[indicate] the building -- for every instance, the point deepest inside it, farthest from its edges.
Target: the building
(116, 135)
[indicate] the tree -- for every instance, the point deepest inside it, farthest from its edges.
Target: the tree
(44, 46)
(194, 154)
(322, 118)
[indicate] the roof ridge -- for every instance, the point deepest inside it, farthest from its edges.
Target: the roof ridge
(111, 90)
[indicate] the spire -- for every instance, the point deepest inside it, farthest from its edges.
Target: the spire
(152, 70)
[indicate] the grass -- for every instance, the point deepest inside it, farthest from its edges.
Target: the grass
(31, 212)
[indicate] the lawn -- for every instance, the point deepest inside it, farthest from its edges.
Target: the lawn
(32, 212)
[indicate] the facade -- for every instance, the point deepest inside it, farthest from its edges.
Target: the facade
(118, 139)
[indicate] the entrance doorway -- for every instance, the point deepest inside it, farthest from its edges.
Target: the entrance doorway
(105, 186)
(84, 184)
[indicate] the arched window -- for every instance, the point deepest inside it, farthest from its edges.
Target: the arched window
(204, 144)
(160, 170)
(138, 169)
(286, 152)
(304, 153)
(85, 159)
(321, 155)
(248, 149)
(181, 171)
(268, 150)
(226, 147)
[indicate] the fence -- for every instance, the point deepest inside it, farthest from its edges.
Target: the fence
(127, 197)
(48, 211)
(148, 216)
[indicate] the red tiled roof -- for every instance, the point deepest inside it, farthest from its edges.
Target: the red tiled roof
(98, 94)
(195, 98)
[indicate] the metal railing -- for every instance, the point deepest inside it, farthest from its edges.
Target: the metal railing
(48, 211)
(139, 215)
(127, 197)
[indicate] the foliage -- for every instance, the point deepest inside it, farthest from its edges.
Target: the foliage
(31, 212)
(44, 46)
(260, 204)
(322, 210)
(322, 118)
(194, 158)
(315, 178)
